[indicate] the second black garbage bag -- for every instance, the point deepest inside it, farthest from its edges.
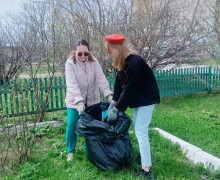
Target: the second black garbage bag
(108, 146)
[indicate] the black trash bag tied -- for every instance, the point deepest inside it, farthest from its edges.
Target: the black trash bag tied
(97, 130)
(108, 145)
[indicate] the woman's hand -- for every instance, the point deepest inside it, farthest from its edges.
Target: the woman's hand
(110, 98)
(113, 114)
(80, 107)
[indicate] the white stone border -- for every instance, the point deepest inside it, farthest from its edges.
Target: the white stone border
(195, 154)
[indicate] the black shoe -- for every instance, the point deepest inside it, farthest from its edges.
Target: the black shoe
(146, 175)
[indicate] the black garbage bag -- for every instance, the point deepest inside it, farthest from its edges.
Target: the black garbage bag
(108, 146)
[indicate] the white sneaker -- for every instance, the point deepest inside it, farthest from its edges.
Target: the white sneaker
(69, 156)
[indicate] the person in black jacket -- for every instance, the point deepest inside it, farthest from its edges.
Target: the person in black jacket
(135, 87)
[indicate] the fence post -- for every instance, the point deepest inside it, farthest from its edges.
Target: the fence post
(210, 79)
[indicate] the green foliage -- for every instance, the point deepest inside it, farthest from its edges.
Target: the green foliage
(56, 115)
(189, 117)
(7, 125)
(29, 171)
(48, 161)
(40, 131)
(58, 149)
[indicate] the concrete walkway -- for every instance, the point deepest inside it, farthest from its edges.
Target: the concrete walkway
(31, 125)
(195, 154)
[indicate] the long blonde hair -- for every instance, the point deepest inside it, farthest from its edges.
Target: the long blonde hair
(124, 50)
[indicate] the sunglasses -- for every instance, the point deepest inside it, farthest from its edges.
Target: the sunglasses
(81, 53)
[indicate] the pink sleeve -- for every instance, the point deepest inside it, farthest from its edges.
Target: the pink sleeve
(73, 94)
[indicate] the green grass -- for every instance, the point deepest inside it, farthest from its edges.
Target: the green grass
(195, 119)
(42, 68)
(192, 118)
(49, 162)
(204, 61)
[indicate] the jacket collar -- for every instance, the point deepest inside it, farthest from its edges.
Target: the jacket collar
(81, 61)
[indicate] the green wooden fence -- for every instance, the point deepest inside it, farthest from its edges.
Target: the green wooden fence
(26, 96)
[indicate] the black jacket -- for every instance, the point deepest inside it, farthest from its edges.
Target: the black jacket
(135, 86)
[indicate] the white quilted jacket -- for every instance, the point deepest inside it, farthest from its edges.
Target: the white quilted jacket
(83, 81)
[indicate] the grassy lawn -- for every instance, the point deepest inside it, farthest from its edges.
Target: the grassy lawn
(42, 68)
(195, 119)
(204, 61)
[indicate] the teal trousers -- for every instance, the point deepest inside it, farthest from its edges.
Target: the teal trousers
(71, 136)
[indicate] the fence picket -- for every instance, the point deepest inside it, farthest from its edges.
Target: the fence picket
(21, 96)
(61, 91)
(6, 96)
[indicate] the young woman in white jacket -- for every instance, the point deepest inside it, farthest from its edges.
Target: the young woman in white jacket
(84, 78)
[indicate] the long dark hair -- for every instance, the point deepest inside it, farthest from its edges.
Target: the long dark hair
(80, 42)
